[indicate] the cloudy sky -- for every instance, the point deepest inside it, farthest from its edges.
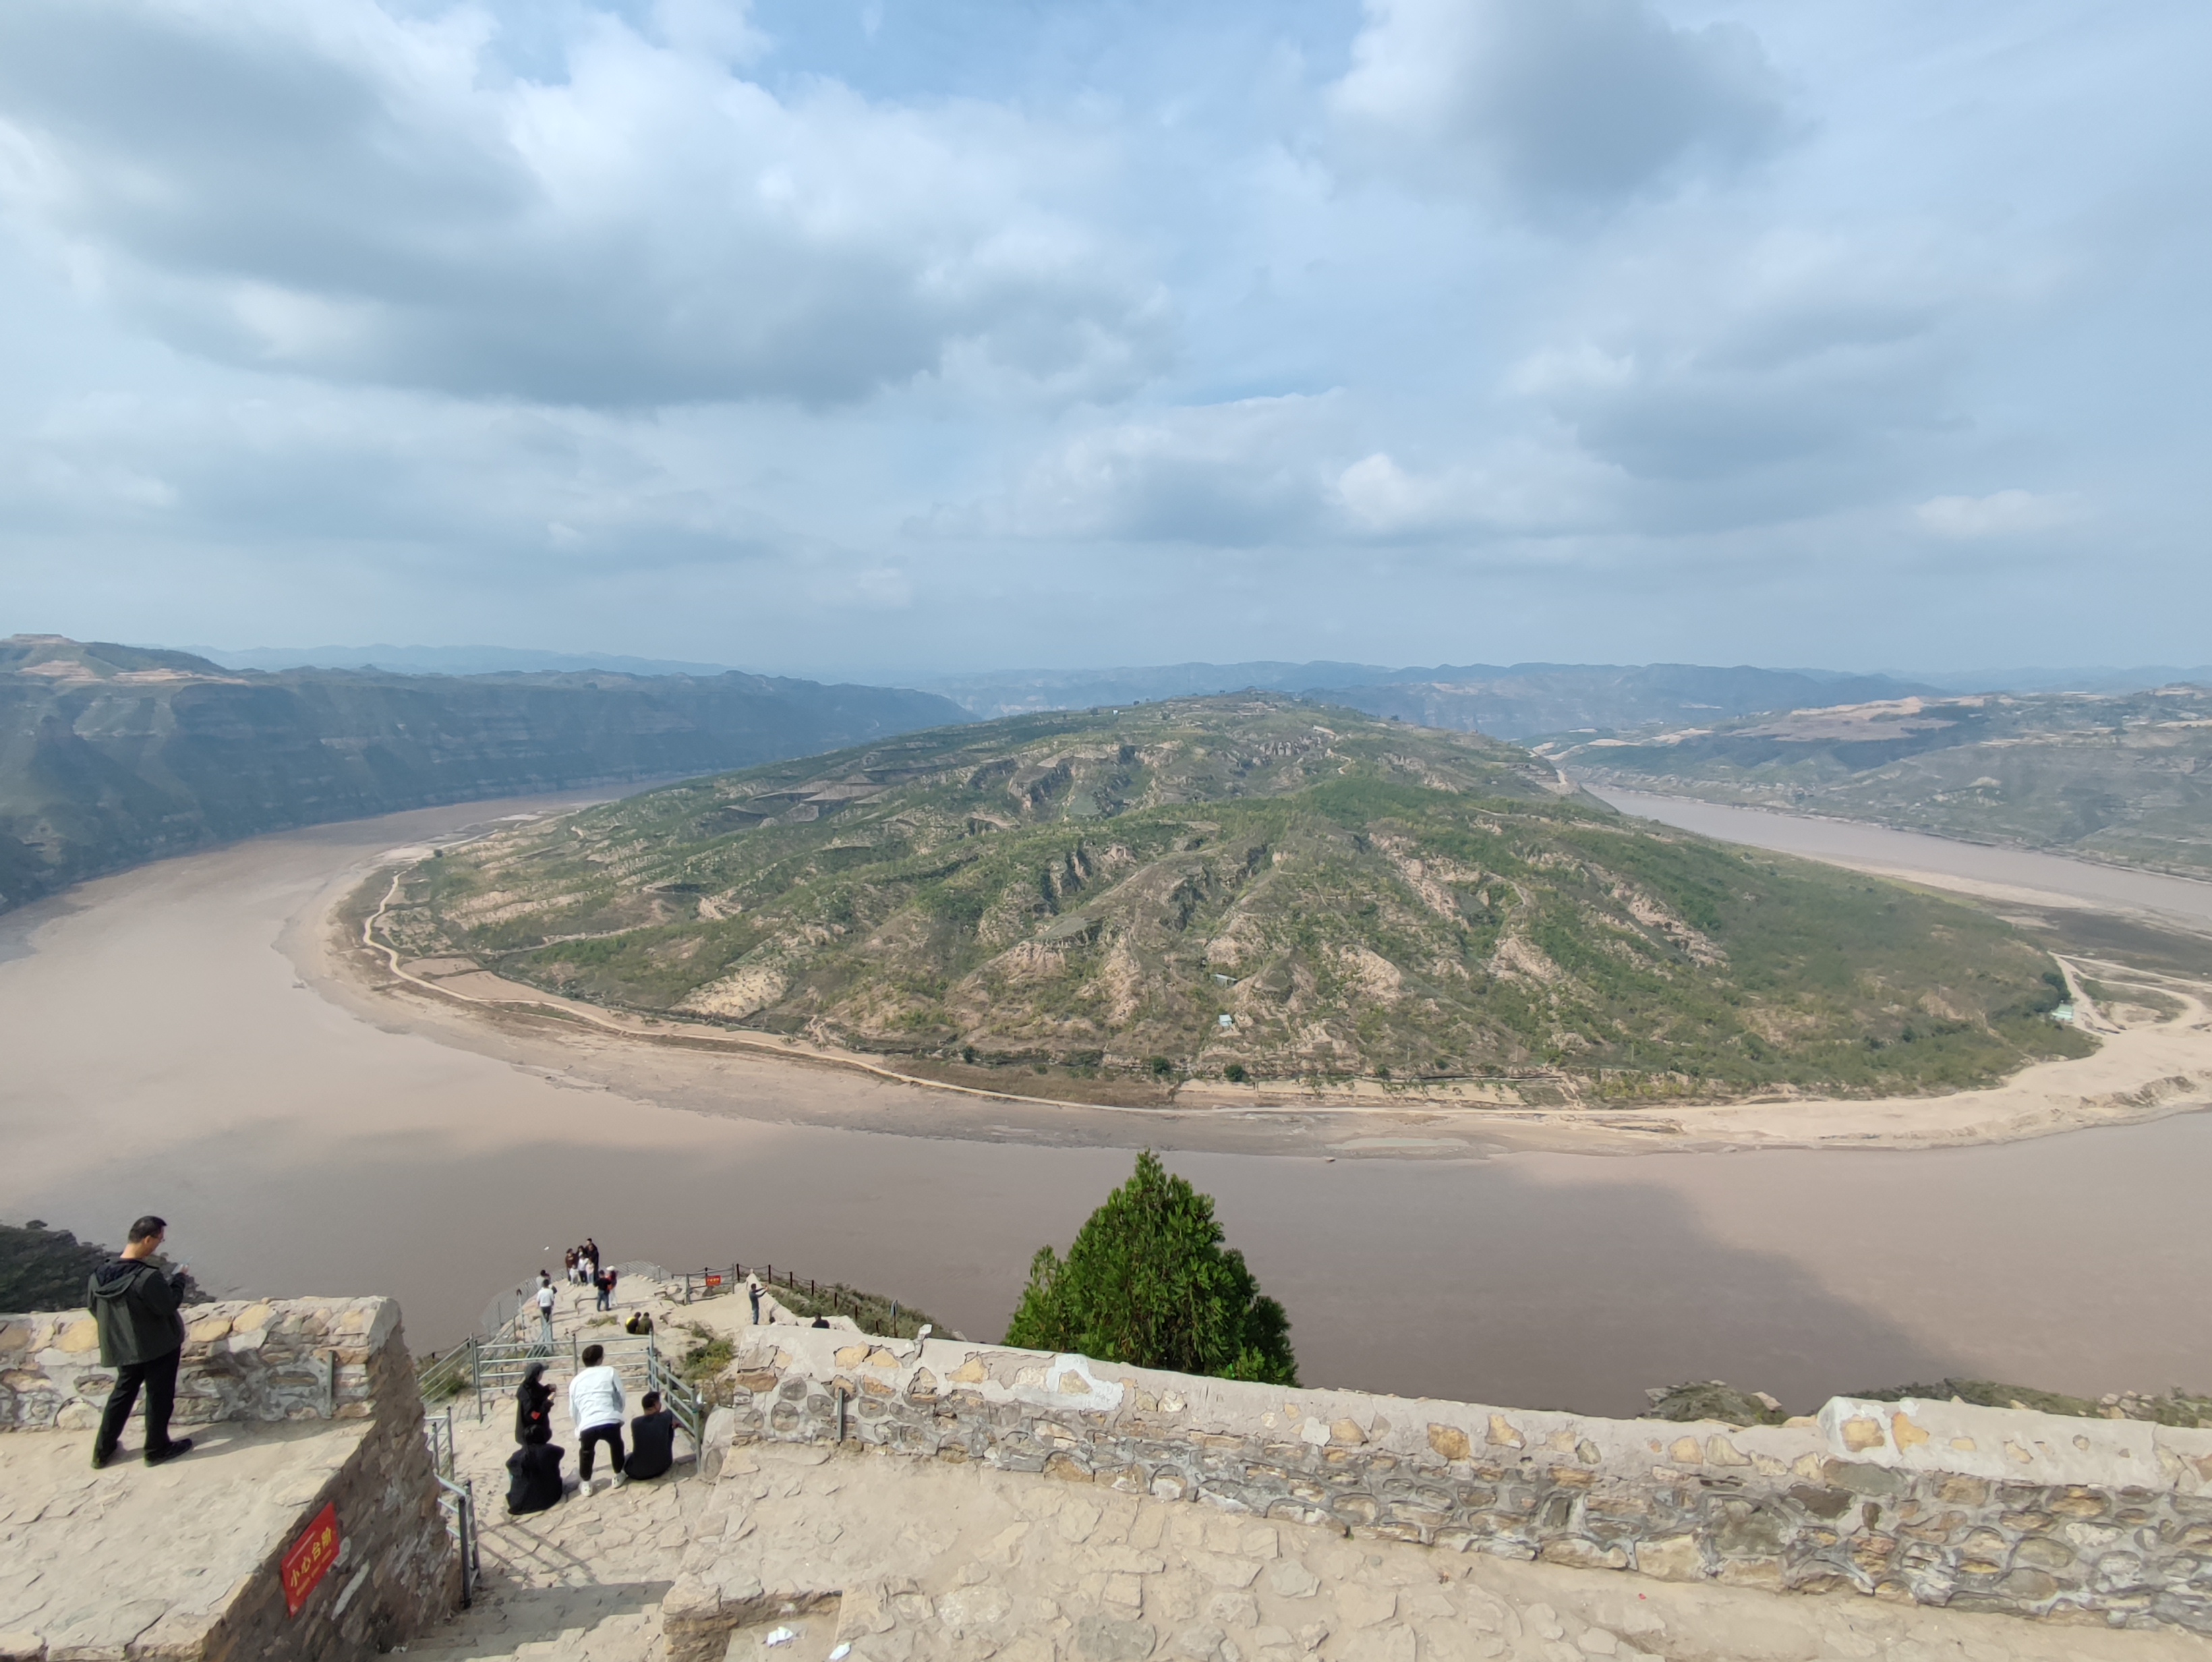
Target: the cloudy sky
(871, 338)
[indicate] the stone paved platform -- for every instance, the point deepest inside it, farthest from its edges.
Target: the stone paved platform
(139, 1557)
(908, 1560)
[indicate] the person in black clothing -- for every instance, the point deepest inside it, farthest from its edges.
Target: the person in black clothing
(533, 1480)
(135, 1304)
(533, 1407)
(652, 1436)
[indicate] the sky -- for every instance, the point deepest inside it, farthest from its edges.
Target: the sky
(868, 338)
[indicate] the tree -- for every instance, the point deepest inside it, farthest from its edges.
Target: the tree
(1148, 1282)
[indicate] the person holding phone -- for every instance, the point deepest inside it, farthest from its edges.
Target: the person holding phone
(135, 1304)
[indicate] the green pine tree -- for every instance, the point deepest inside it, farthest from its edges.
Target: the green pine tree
(1148, 1282)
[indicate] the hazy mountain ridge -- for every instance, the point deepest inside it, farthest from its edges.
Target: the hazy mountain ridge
(2116, 777)
(1054, 899)
(1517, 700)
(110, 755)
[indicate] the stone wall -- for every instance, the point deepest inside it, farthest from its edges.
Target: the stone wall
(1976, 1508)
(400, 1573)
(298, 1359)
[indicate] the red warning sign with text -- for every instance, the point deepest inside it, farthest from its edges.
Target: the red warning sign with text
(310, 1558)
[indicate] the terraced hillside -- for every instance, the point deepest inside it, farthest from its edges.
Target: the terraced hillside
(1237, 887)
(2113, 777)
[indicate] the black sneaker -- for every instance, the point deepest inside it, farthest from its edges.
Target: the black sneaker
(169, 1451)
(100, 1456)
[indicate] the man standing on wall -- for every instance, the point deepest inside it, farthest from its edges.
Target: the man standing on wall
(142, 1336)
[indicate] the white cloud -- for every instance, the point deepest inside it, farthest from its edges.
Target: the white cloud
(340, 190)
(2000, 513)
(1551, 103)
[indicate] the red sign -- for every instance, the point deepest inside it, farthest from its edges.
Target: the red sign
(310, 1558)
(713, 1280)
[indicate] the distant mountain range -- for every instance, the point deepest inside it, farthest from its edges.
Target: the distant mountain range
(447, 660)
(1518, 701)
(110, 754)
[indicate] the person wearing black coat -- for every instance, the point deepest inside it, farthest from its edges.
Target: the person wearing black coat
(135, 1304)
(533, 1407)
(533, 1480)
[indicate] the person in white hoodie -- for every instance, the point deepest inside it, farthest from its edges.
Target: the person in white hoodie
(595, 1404)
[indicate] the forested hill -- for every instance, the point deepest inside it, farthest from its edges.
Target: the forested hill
(110, 755)
(1233, 888)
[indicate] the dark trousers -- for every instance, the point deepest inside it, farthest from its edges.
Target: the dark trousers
(159, 1376)
(587, 1445)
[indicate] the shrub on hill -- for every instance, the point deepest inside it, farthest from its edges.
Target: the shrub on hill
(1149, 1282)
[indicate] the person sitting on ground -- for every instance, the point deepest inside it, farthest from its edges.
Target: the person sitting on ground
(595, 1406)
(652, 1440)
(641, 1321)
(533, 1479)
(134, 1305)
(533, 1407)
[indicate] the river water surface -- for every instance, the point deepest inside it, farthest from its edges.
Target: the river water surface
(158, 1050)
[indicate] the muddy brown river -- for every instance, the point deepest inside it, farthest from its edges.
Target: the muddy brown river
(165, 1046)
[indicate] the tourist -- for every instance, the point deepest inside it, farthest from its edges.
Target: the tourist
(753, 1292)
(641, 1321)
(134, 1305)
(568, 1264)
(546, 1299)
(592, 1251)
(533, 1407)
(606, 1283)
(595, 1407)
(533, 1481)
(652, 1440)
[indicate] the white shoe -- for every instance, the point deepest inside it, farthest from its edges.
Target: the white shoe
(622, 1479)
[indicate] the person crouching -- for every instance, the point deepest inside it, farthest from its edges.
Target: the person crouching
(595, 1405)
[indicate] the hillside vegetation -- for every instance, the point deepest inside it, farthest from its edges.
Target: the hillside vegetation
(111, 754)
(1231, 888)
(2116, 777)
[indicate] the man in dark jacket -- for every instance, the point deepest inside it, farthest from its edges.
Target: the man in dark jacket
(140, 1337)
(654, 1433)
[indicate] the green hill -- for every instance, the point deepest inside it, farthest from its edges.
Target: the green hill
(1240, 887)
(2113, 777)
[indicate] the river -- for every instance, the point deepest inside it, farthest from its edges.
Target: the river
(165, 1052)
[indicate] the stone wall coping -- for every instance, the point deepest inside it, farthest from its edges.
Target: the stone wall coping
(363, 1324)
(244, 1359)
(2018, 1445)
(1935, 1436)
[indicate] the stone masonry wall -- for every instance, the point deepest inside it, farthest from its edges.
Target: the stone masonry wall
(290, 1359)
(298, 1359)
(1976, 1508)
(400, 1573)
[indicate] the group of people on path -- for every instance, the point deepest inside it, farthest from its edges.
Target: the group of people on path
(595, 1410)
(586, 1267)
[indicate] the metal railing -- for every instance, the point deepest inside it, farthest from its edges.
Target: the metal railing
(456, 1499)
(677, 1397)
(480, 1367)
